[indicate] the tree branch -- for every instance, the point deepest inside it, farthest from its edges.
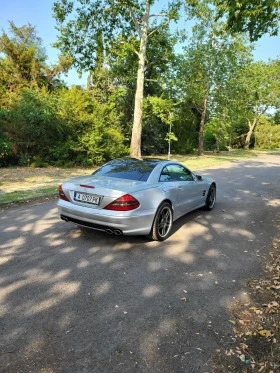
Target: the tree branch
(157, 28)
(159, 15)
(249, 123)
(135, 51)
(264, 109)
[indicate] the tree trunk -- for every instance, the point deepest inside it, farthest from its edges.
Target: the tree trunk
(135, 145)
(201, 126)
(250, 132)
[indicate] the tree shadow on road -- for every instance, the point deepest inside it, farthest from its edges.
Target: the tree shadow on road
(76, 300)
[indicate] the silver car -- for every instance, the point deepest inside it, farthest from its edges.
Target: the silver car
(135, 197)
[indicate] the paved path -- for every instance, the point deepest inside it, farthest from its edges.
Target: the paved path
(76, 301)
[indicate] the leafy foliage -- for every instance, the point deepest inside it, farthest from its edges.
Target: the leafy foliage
(254, 92)
(211, 91)
(23, 64)
(6, 149)
(205, 69)
(252, 16)
(94, 133)
(87, 28)
(267, 135)
(65, 128)
(32, 124)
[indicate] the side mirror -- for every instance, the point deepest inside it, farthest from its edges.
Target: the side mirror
(199, 177)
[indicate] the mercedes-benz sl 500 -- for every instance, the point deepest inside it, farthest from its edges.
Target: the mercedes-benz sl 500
(135, 197)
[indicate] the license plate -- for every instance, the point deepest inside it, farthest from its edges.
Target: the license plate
(87, 198)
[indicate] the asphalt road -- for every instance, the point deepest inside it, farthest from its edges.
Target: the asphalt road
(76, 301)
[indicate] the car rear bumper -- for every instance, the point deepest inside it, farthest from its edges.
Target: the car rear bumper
(129, 222)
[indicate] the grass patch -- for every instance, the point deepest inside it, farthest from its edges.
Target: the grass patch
(210, 159)
(22, 184)
(27, 195)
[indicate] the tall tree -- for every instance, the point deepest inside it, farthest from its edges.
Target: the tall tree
(209, 61)
(255, 91)
(23, 61)
(24, 52)
(160, 62)
(80, 24)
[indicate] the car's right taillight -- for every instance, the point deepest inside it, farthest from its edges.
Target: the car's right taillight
(124, 203)
(62, 194)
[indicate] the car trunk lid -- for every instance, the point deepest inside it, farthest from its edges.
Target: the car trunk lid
(98, 191)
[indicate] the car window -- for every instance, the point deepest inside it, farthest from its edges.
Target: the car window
(127, 169)
(176, 172)
(165, 175)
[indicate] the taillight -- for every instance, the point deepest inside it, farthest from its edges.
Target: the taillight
(124, 203)
(62, 194)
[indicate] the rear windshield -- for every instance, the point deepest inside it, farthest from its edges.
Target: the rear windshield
(127, 169)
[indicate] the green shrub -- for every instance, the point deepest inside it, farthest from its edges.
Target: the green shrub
(38, 162)
(33, 125)
(24, 160)
(267, 136)
(103, 137)
(94, 131)
(7, 155)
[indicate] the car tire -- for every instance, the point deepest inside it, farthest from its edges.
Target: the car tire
(162, 223)
(211, 198)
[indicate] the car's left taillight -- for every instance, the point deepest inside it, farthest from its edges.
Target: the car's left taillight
(62, 194)
(124, 203)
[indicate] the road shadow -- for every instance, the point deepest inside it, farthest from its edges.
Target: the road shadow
(77, 300)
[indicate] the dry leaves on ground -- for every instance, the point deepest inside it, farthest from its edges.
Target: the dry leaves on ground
(256, 325)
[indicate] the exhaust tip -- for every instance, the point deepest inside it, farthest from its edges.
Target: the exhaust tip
(109, 231)
(64, 218)
(117, 232)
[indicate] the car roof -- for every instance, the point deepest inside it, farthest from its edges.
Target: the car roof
(146, 169)
(141, 162)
